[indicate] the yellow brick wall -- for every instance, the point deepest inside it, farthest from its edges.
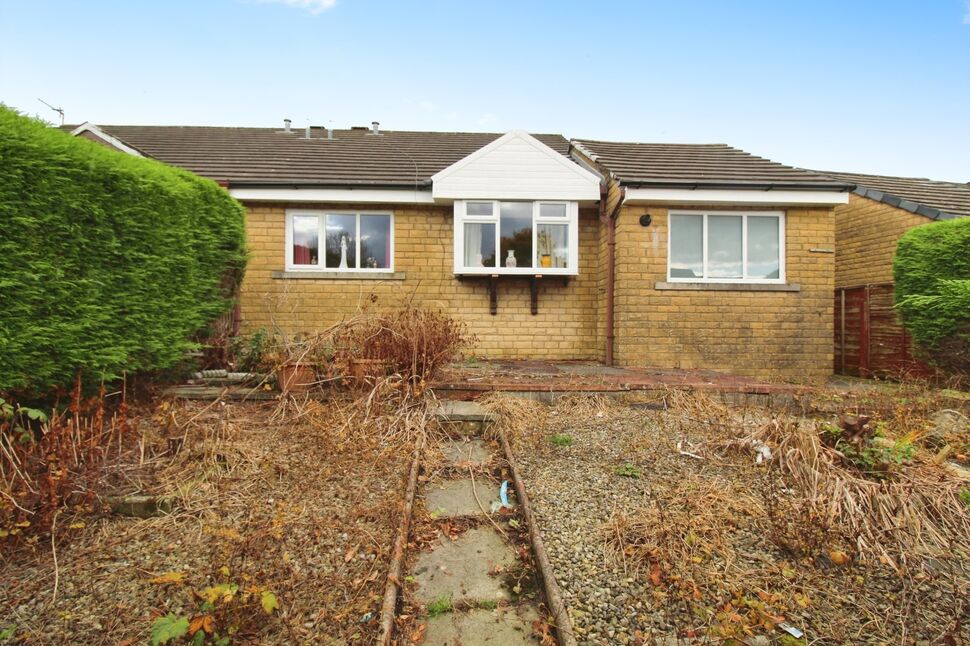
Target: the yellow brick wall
(866, 234)
(564, 328)
(782, 335)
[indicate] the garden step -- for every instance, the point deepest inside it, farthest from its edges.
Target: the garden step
(451, 498)
(464, 452)
(463, 411)
(461, 570)
(503, 626)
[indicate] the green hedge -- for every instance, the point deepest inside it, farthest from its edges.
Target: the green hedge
(932, 274)
(108, 262)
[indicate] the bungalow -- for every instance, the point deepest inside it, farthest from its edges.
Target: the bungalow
(651, 255)
(869, 339)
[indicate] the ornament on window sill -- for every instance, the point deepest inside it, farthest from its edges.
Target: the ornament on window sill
(343, 252)
(372, 262)
(510, 260)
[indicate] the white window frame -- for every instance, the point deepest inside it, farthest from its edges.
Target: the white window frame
(321, 216)
(571, 219)
(780, 215)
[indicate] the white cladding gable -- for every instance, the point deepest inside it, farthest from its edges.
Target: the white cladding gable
(515, 166)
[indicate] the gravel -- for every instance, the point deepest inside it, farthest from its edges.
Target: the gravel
(575, 490)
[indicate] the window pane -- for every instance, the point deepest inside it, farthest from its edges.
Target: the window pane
(478, 208)
(763, 247)
(724, 246)
(341, 242)
(686, 246)
(553, 243)
(375, 241)
(306, 239)
(479, 245)
(515, 222)
(552, 210)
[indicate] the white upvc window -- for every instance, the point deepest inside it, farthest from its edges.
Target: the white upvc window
(353, 241)
(516, 237)
(726, 246)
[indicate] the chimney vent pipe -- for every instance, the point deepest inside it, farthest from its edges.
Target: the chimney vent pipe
(286, 125)
(308, 132)
(375, 127)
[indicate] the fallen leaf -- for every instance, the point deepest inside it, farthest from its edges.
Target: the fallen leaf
(839, 557)
(169, 577)
(656, 576)
(269, 602)
(205, 623)
(350, 554)
(418, 635)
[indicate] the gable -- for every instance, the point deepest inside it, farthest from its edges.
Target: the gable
(515, 166)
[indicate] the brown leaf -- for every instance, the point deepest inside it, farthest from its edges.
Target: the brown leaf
(656, 576)
(350, 554)
(202, 622)
(418, 635)
(839, 557)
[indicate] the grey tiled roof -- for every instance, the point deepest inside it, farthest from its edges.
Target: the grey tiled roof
(700, 166)
(931, 198)
(270, 156)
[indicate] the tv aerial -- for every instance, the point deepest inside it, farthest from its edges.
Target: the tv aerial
(59, 111)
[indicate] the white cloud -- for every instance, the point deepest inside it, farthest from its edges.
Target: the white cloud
(314, 7)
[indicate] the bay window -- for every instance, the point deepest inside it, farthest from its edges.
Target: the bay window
(726, 247)
(339, 241)
(506, 237)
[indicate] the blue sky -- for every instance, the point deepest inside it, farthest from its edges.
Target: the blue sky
(880, 87)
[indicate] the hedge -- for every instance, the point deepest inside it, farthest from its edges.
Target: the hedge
(932, 274)
(108, 262)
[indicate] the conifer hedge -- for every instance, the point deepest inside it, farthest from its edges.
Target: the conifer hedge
(932, 275)
(108, 262)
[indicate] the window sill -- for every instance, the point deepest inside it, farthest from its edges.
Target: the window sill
(729, 287)
(340, 275)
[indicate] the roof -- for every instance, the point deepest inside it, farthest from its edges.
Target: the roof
(270, 156)
(927, 197)
(699, 166)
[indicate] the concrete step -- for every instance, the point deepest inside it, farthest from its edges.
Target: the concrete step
(453, 498)
(505, 626)
(460, 570)
(466, 452)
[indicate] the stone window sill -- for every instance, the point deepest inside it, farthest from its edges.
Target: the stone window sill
(340, 275)
(728, 287)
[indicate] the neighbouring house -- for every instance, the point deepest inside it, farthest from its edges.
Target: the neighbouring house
(869, 339)
(650, 255)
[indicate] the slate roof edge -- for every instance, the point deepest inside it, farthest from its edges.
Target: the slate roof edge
(902, 203)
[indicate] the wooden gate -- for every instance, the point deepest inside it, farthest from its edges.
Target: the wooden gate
(869, 339)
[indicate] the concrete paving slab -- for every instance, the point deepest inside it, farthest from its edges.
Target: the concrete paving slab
(460, 569)
(463, 411)
(450, 498)
(475, 452)
(509, 626)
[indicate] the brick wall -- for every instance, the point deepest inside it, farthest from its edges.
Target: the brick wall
(786, 335)
(866, 234)
(564, 328)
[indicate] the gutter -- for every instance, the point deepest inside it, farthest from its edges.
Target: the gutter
(742, 186)
(609, 220)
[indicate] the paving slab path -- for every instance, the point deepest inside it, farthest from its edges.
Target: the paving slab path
(461, 579)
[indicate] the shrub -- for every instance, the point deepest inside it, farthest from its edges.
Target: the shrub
(932, 274)
(411, 342)
(108, 262)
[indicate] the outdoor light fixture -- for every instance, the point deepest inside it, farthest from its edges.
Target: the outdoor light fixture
(645, 220)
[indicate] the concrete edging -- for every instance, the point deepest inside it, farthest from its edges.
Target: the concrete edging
(564, 626)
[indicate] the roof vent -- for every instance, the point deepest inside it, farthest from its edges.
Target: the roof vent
(308, 131)
(375, 127)
(330, 132)
(286, 125)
